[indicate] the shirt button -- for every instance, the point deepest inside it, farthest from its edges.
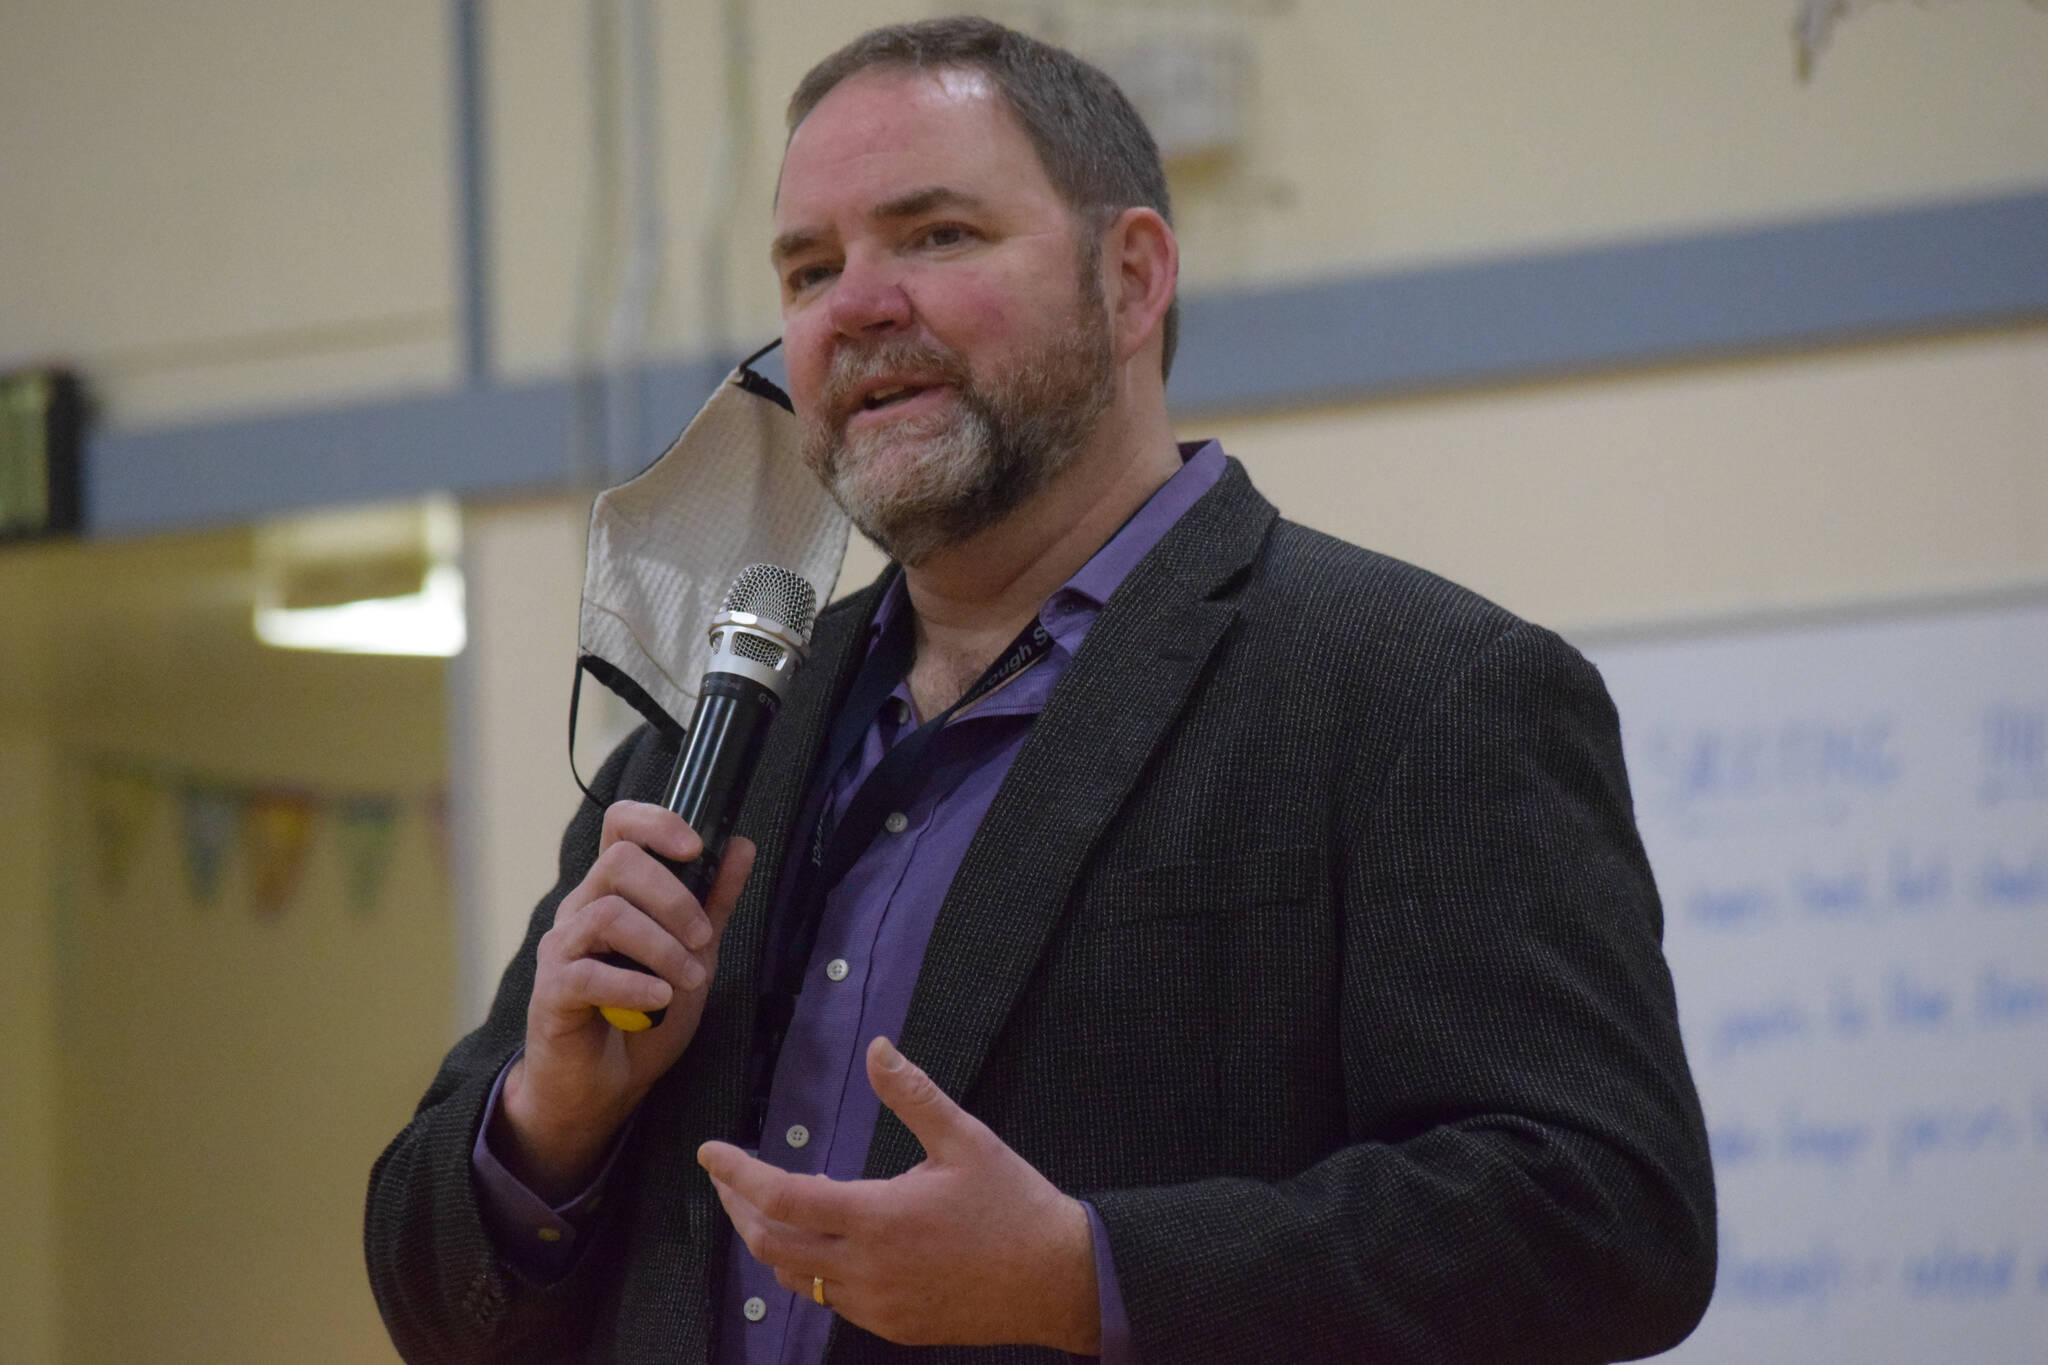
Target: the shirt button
(897, 822)
(797, 1135)
(835, 970)
(900, 709)
(755, 1308)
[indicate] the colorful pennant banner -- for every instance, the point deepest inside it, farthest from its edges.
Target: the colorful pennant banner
(271, 830)
(208, 816)
(276, 828)
(367, 830)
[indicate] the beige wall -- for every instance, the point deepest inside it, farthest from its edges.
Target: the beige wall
(228, 205)
(1402, 131)
(510, 699)
(1878, 473)
(193, 1092)
(227, 1081)
(30, 1285)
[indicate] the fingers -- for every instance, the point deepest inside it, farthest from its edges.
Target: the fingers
(620, 922)
(799, 1282)
(631, 902)
(785, 1246)
(593, 982)
(654, 828)
(813, 1202)
(572, 975)
(789, 1222)
(632, 872)
(927, 1111)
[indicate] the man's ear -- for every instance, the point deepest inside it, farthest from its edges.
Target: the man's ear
(1141, 269)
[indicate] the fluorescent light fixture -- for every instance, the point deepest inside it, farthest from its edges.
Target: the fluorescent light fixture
(429, 621)
(325, 582)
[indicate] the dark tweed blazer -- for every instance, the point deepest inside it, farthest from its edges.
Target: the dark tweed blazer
(1310, 938)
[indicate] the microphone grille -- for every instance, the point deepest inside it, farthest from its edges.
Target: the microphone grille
(775, 594)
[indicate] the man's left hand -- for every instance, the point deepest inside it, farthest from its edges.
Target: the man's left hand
(970, 1247)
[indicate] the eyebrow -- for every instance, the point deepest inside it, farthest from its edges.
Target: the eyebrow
(915, 204)
(920, 202)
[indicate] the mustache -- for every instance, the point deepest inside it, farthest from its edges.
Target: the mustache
(856, 364)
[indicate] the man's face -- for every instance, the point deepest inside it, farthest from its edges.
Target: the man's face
(947, 343)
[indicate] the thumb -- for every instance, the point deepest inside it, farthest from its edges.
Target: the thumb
(927, 1111)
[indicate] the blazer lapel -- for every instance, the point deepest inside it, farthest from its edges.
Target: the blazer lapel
(1131, 679)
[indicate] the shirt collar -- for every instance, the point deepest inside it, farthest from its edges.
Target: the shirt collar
(1073, 606)
(1201, 466)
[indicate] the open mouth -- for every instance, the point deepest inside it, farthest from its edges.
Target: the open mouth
(890, 397)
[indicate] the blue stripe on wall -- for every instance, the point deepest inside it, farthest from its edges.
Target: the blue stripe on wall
(1947, 267)
(475, 441)
(1940, 268)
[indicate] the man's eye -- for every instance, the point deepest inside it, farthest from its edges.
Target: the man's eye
(943, 234)
(803, 277)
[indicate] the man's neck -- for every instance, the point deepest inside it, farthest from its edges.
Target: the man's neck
(973, 598)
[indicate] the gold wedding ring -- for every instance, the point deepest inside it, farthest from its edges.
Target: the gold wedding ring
(818, 1291)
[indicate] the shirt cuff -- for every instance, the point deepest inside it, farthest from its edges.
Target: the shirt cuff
(1109, 1296)
(537, 1237)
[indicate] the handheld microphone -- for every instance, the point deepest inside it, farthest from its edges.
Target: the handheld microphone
(758, 640)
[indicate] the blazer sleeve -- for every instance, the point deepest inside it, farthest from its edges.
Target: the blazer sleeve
(446, 1293)
(1527, 1175)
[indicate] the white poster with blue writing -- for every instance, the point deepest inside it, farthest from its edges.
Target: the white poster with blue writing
(1849, 826)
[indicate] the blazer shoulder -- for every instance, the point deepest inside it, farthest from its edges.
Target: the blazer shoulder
(1374, 635)
(1352, 598)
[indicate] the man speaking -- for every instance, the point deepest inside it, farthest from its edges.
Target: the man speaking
(1257, 962)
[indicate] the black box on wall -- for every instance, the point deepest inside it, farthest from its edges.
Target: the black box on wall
(42, 430)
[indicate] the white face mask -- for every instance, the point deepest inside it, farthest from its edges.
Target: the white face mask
(666, 545)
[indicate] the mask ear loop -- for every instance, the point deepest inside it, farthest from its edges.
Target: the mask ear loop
(760, 385)
(628, 691)
(576, 696)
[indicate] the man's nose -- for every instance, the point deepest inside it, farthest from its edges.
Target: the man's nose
(868, 299)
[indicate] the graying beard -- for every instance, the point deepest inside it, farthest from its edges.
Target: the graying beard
(1009, 444)
(917, 523)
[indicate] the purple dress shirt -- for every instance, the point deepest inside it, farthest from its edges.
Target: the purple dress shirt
(863, 967)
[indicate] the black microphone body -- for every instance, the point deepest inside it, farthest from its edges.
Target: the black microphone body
(709, 782)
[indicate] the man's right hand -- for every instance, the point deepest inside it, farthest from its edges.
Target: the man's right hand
(580, 1079)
